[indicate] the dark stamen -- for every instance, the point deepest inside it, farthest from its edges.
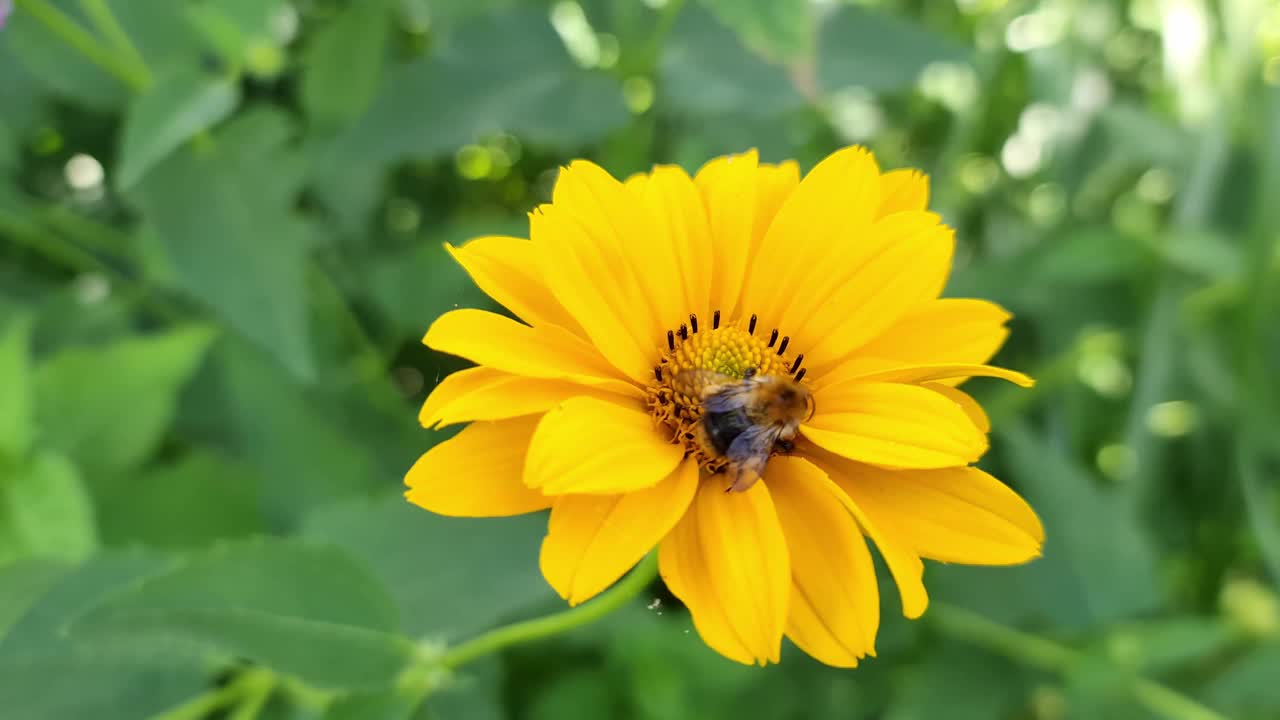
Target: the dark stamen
(693, 323)
(684, 331)
(715, 320)
(657, 372)
(773, 338)
(671, 340)
(783, 347)
(800, 375)
(751, 329)
(794, 366)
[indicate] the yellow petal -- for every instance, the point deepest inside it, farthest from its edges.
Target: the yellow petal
(592, 540)
(632, 231)
(501, 343)
(774, 184)
(591, 446)
(588, 268)
(727, 562)
(966, 403)
(891, 539)
(938, 372)
(893, 425)
(728, 186)
(909, 267)
(835, 606)
(684, 571)
(477, 473)
(958, 515)
(949, 330)
(833, 205)
(903, 190)
(482, 393)
(683, 236)
(505, 268)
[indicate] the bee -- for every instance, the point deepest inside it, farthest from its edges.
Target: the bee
(745, 420)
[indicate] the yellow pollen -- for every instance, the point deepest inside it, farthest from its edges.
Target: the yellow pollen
(697, 360)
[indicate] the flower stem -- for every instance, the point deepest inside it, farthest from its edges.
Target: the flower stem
(70, 32)
(560, 622)
(109, 28)
(248, 686)
(1047, 655)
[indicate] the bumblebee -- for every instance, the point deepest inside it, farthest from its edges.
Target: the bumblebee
(745, 421)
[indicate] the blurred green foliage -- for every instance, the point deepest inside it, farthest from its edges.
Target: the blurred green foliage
(220, 240)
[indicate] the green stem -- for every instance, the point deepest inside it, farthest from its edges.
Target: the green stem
(538, 628)
(203, 705)
(109, 27)
(1023, 647)
(70, 32)
(1050, 377)
(1047, 655)
(65, 253)
(257, 691)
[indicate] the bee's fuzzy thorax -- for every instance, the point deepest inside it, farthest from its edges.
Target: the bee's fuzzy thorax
(695, 353)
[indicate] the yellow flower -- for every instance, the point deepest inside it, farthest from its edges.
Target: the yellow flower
(831, 281)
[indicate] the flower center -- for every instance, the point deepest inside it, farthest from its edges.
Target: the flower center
(698, 358)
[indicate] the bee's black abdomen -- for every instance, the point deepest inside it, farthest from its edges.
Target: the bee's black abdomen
(724, 427)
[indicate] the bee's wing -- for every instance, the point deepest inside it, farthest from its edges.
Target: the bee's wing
(727, 397)
(749, 452)
(703, 384)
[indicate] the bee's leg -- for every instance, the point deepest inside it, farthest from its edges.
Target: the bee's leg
(743, 482)
(784, 446)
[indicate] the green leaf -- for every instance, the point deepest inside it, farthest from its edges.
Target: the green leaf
(451, 577)
(43, 626)
(779, 29)
(303, 610)
(45, 511)
(1248, 689)
(201, 498)
(223, 213)
(373, 705)
(276, 577)
(1166, 645)
(415, 286)
(17, 412)
(1209, 254)
(160, 31)
(112, 425)
(662, 669)
(465, 90)
(1090, 255)
(875, 50)
(72, 686)
(304, 450)
(584, 693)
(156, 27)
(957, 683)
(27, 100)
(173, 109)
(344, 63)
(59, 67)
(1099, 564)
(1144, 136)
(21, 584)
(475, 693)
(239, 31)
(321, 654)
(705, 70)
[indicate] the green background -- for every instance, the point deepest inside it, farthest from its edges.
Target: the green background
(221, 228)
